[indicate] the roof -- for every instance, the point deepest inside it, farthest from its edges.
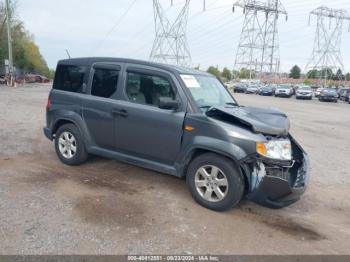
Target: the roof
(171, 68)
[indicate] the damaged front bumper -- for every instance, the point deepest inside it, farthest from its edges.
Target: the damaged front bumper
(278, 184)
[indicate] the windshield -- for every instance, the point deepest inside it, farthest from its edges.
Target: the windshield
(305, 88)
(207, 91)
(267, 88)
(284, 87)
(329, 91)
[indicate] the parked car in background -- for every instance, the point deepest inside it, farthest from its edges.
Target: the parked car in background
(42, 79)
(328, 95)
(253, 89)
(318, 91)
(241, 88)
(284, 91)
(36, 78)
(267, 91)
(304, 92)
(344, 94)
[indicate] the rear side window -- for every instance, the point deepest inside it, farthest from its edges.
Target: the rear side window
(69, 78)
(105, 82)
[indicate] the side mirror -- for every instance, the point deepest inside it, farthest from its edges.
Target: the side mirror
(168, 103)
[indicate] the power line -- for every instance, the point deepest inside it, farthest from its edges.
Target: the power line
(115, 25)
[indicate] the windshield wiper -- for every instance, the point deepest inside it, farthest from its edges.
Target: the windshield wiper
(206, 107)
(231, 104)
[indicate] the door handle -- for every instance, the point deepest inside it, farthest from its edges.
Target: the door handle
(121, 112)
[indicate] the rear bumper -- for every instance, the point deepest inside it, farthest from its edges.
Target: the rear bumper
(283, 95)
(325, 98)
(280, 184)
(304, 96)
(48, 133)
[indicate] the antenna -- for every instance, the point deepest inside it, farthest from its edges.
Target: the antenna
(68, 54)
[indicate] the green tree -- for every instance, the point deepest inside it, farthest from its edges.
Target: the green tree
(347, 77)
(26, 54)
(327, 73)
(339, 75)
(235, 74)
(226, 74)
(246, 74)
(313, 74)
(295, 72)
(214, 71)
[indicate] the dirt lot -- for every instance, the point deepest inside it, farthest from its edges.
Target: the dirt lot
(106, 207)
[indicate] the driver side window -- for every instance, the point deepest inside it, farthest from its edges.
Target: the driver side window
(146, 89)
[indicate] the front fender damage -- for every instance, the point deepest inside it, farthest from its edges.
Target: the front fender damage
(278, 184)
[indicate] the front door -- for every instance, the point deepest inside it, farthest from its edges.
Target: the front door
(144, 130)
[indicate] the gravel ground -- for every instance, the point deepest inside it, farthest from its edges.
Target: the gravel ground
(106, 207)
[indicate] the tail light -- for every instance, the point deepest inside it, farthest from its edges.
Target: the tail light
(49, 104)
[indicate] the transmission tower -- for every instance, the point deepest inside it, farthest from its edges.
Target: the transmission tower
(258, 49)
(170, 45)
(326, 54)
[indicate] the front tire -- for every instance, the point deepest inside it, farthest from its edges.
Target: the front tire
(215, 182)
(69, 145)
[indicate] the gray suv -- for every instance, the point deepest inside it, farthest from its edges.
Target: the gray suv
(175, 121)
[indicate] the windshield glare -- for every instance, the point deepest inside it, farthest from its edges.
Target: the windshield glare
(284, 87)
(329, 90)
(207, 91)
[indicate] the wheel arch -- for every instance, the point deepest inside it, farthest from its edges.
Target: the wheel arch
(76, 121)
(60, 122)
(200, 150)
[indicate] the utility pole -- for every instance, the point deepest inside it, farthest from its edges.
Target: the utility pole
(9, 40)
(259, 45)
(326, 54)
(170, 45)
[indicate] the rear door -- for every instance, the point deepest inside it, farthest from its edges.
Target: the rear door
(143, 129)
(99, 104)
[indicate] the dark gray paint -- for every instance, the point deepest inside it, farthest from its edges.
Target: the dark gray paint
(154, 138)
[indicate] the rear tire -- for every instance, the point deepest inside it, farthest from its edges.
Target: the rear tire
(70, 146)
(224, 187)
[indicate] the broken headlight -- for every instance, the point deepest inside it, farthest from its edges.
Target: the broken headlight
(275, 149)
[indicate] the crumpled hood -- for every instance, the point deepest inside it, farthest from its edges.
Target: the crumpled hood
(261, 120)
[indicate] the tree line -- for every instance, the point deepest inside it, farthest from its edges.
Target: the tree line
(26, 54)
(328, 74)
(295, 73)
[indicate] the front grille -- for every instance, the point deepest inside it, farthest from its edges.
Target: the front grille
(281, 173)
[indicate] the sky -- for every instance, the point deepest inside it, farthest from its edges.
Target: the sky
(121, 28)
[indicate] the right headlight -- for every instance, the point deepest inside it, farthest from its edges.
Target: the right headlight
(275, 149)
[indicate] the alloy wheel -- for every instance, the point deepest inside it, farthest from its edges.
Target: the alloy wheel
(67, 145)
(211, 183)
